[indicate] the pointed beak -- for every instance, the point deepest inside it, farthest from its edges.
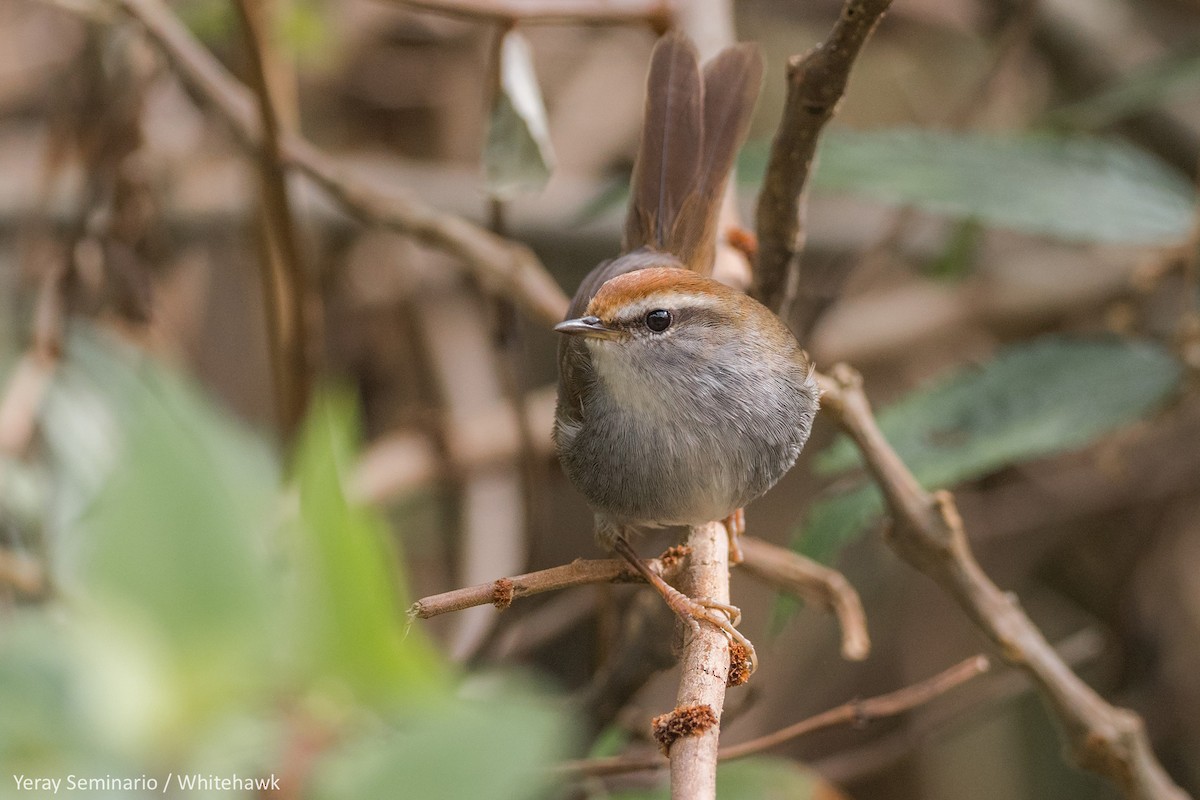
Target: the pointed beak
(587, 326)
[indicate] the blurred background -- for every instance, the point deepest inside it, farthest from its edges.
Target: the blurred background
(1002, 237)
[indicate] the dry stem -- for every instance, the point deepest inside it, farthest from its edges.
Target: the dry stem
(793, 573)
(578, 573)
(927, 532)
(852, 712)
(285, 291)
(502, 266)
(816, 83)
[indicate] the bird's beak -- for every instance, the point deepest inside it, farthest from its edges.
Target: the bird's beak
(587, 326)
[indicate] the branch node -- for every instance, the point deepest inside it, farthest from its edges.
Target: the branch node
(503, 593)
(682, 722)
(739, 664)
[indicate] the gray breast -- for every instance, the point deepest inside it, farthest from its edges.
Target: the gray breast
(694, 457)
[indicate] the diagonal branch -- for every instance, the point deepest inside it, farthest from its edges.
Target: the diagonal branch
(928, 533)
(501, 265)
(854, 712)
(816, 82)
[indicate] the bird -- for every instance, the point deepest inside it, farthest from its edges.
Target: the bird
(680, 399)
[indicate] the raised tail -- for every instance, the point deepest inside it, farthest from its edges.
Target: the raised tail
(694, 125)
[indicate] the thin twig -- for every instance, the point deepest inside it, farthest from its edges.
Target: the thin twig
(860, 712)
(791, 572)
(285, 294)
(502, 592)
(816, 83)
(620, 12)
(852, 712)
(501, 265)
(928, 533)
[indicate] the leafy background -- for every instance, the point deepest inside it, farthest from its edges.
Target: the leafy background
(1009, 280)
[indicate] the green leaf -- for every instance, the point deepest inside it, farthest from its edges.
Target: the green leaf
(349, 599)
(1074, 188)
(160, 553)
(1047, 396)
(751, 779)
(497, 743)
(1175, 74)
(518, 156)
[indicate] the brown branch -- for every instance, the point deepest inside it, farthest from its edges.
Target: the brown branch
(502, 592)
(704, 667)
(927, 532)
(502, 266)
(655, 12)
(816, 83)
(285, 293)
(854, 712)
(791, 572)
(859, 712)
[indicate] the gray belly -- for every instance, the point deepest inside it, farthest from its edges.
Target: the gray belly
(700, 462)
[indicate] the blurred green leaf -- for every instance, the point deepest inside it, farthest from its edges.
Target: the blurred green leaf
(1076, 188)
(1035, 399)
(349, 598)
(1174, 74)
(750, 779)
(958, 254)
(169, 582)
(497, 743)
(518, 156)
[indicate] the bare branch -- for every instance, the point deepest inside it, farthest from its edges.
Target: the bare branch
(928, 533)
(704, 667)
(285, 293)
(655, 12)
(816, 83)
(502, 592)
(502, 266)
(793, 573)
(853, 712)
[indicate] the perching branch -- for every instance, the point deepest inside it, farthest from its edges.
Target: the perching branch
(503, 591)
(502, 266)
(927, 532)
(694, 725)
(816, 83)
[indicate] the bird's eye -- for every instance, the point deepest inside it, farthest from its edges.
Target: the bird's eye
(658, 320)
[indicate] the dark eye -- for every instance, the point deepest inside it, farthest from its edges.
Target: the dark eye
(658, 320)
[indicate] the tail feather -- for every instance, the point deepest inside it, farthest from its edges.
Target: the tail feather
(693, 129)
(731, 84)
(667, 164)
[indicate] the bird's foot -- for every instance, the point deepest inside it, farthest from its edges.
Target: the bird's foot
(723, 616)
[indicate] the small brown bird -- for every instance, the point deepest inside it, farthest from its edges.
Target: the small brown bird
(680, 399)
